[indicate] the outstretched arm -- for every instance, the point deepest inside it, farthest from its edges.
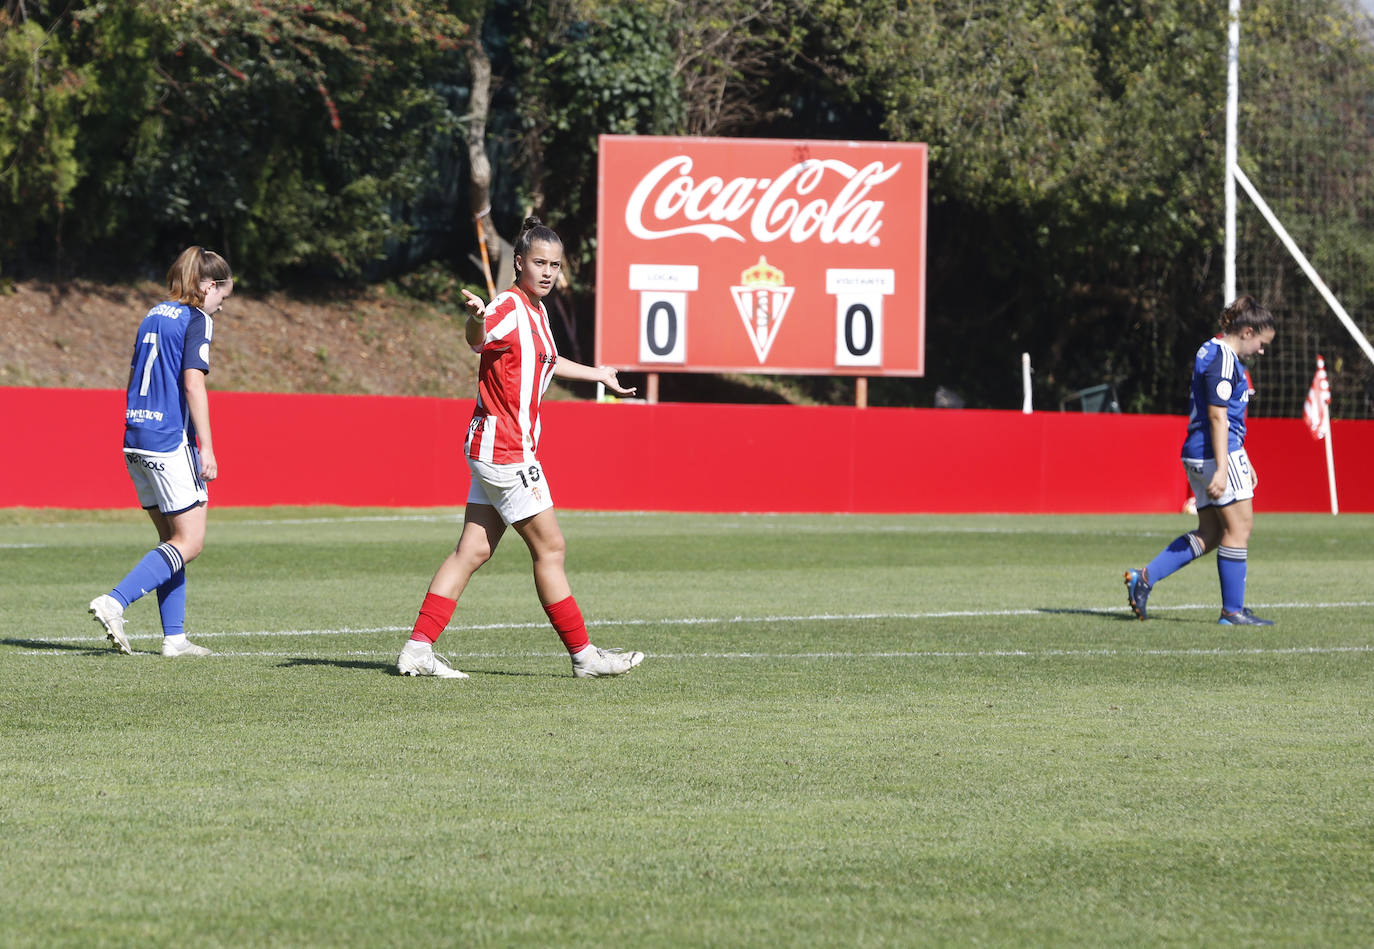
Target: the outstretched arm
(567, 369)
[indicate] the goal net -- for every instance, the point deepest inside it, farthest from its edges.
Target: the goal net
(1306, 145)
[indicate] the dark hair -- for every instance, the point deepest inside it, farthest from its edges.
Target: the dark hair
(193, 265)
(534, 230)
(1246, 311)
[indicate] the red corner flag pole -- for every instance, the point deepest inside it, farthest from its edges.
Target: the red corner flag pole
(1317, 413)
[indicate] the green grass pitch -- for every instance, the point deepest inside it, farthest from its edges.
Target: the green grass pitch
(849, 731)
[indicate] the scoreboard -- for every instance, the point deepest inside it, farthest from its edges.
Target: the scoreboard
(761, 255)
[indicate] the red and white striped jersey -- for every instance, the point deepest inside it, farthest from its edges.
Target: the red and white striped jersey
(518, 356)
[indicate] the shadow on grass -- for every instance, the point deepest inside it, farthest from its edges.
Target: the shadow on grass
(56, 647)
(364, 665)
(368, 665)
(507, 672)
(1125, 617)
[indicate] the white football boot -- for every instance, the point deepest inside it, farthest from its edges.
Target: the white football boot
(592, 662)
(176, 646)
(419, 659)
(109, 614)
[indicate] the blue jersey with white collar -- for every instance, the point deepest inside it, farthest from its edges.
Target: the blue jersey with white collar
(172, 338)
(1218, 379)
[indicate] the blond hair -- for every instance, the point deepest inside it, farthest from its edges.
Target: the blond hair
(193, 266)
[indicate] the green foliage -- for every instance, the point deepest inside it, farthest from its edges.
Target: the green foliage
(438, 287)
(1307, 143)
(1076, 145)
(1075, 168)
(284, 134)
(580, 73)
(42, 98)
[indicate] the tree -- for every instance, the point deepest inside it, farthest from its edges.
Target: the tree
(1075, 176)
(287, 134)
(42, 98)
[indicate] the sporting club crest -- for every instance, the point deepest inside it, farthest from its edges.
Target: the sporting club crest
(762, 301)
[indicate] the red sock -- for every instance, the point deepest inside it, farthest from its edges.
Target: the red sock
(567, 622)
(435, 613)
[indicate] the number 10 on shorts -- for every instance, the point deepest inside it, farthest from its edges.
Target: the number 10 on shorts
(663, 290)
(859, 314)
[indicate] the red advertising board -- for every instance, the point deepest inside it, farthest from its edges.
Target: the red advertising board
(761, 255)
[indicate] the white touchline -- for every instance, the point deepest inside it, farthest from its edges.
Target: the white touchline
(390, 654)
(737, 620)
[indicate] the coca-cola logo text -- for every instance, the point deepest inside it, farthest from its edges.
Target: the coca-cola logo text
(776, 208)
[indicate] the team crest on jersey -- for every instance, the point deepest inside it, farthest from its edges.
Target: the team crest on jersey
(762, 301)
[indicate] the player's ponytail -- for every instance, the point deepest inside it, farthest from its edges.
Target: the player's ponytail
(1246, 312)
(193, 266)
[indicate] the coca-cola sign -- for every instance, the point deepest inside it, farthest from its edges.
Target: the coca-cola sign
(787, 207)
(761, 256)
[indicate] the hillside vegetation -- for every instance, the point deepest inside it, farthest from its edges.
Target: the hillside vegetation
(376, 341)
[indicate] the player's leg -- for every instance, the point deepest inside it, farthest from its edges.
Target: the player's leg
(548, 549)
(482, 531)
(171, 596)
(1233, 564)
(172, 492)
(1178, 553)
(184, 531)
(1236, 511)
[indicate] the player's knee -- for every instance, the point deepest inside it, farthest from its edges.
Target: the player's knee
(551, 554)
(188, 547)
(472, 554)
(554, 545)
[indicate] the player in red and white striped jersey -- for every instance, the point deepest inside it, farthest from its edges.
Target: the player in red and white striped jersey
(518, 361)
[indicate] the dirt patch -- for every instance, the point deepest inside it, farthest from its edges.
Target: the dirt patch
(376, 342)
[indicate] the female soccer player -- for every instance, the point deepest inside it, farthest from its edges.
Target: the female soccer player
(167, 445)
(509, 488)
(1217, 467)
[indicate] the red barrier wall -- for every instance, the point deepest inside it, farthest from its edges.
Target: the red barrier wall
(384, 451)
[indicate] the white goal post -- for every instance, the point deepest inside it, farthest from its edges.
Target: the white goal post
(1234, 176)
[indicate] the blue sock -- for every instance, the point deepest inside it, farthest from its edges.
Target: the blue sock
(171, 603)
(1231, 572)
(155, 569)
(1182, 550)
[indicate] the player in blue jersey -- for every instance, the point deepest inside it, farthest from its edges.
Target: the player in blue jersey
(1217, 467)
(167, 445)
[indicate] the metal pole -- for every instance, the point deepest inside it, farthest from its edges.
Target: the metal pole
(1232, 110)
(1330, 465)
(1026, 384)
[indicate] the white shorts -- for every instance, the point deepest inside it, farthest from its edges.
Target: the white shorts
(169, 481)
(516, 491)
(1240, 482)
